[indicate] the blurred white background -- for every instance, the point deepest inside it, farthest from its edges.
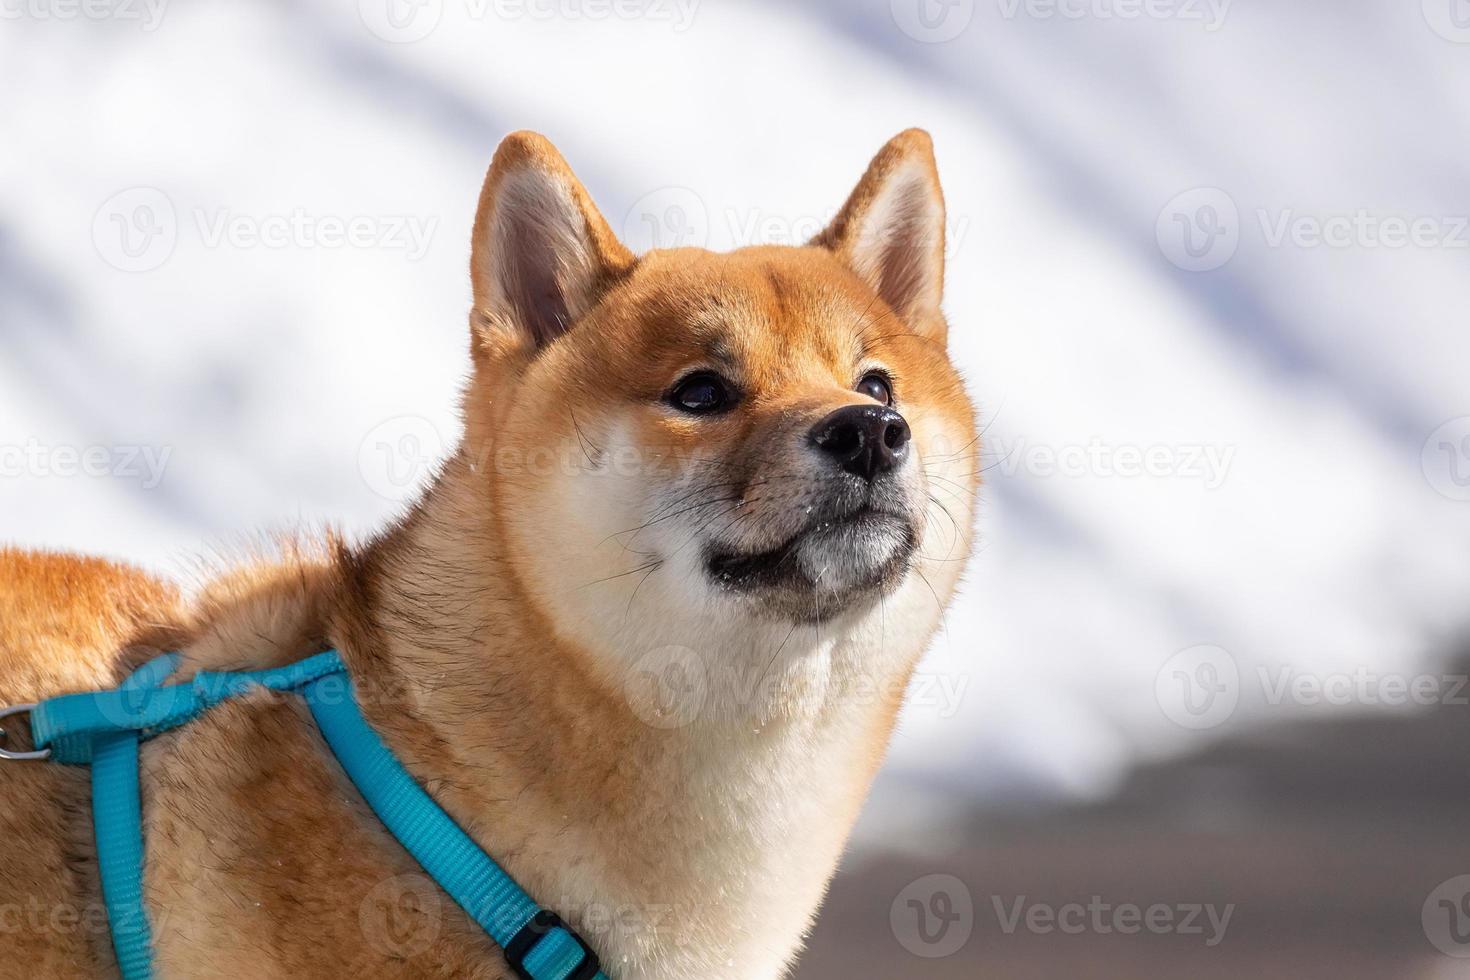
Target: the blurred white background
(1208, 279)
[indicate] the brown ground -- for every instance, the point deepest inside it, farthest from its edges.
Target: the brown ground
(1328, 838)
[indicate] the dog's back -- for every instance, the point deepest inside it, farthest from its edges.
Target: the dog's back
(242, 802)
(67, 620)
(66, 624)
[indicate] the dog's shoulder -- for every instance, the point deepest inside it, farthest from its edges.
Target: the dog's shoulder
(67, 623)
(72, 622)
(270, 608)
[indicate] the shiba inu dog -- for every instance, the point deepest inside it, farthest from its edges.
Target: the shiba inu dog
(644, 637)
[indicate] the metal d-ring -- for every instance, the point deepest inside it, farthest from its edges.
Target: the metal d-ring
(19, 709)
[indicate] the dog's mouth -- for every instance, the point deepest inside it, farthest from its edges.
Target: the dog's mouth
(823, 568)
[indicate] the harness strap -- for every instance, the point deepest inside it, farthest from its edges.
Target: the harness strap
(68, 724)
(472, 879)
(105, 729)
(118, 826)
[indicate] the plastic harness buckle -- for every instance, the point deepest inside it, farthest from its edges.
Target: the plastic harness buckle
(541, 924)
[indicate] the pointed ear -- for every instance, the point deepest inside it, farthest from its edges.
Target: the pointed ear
(542, 252)
(891, 231)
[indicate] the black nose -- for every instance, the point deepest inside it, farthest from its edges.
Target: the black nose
(864, 440)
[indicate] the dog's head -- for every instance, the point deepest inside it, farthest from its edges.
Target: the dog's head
(713, 449)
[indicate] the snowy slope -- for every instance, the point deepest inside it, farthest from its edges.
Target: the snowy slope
(1287, 394)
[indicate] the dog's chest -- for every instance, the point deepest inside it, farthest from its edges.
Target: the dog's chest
(282, 869)
(720, 876)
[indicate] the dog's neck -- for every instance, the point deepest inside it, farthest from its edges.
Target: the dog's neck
(531, 742)
(467, 644)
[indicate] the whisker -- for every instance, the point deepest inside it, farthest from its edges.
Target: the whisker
(647, 566)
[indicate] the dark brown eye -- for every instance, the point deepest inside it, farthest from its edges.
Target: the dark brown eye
(877, 387)
(702, 393)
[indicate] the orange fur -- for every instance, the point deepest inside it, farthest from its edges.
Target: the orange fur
(493, 632)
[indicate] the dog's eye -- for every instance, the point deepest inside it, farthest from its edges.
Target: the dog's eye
(702, 393)
(877, 387)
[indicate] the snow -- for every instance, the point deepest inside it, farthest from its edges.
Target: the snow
(263, 377)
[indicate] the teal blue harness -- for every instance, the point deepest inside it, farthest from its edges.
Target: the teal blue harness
(105, 728)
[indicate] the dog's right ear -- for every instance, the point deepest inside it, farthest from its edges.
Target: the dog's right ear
(542, 252)
(891, 232)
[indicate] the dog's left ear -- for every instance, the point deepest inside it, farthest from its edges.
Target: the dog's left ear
(542, 252)
(891, 231)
